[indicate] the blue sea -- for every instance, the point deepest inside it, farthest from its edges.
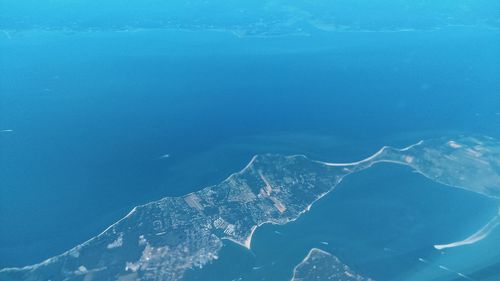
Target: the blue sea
(108, 105)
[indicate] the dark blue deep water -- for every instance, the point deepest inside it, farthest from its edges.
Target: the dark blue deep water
(90, 108)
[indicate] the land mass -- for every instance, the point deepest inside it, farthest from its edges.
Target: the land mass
(161, 240)
(321, 265)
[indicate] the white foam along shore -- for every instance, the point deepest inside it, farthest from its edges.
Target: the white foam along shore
(373, 157)
(476, 237)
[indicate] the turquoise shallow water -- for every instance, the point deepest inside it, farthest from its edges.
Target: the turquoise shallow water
(94, 104)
